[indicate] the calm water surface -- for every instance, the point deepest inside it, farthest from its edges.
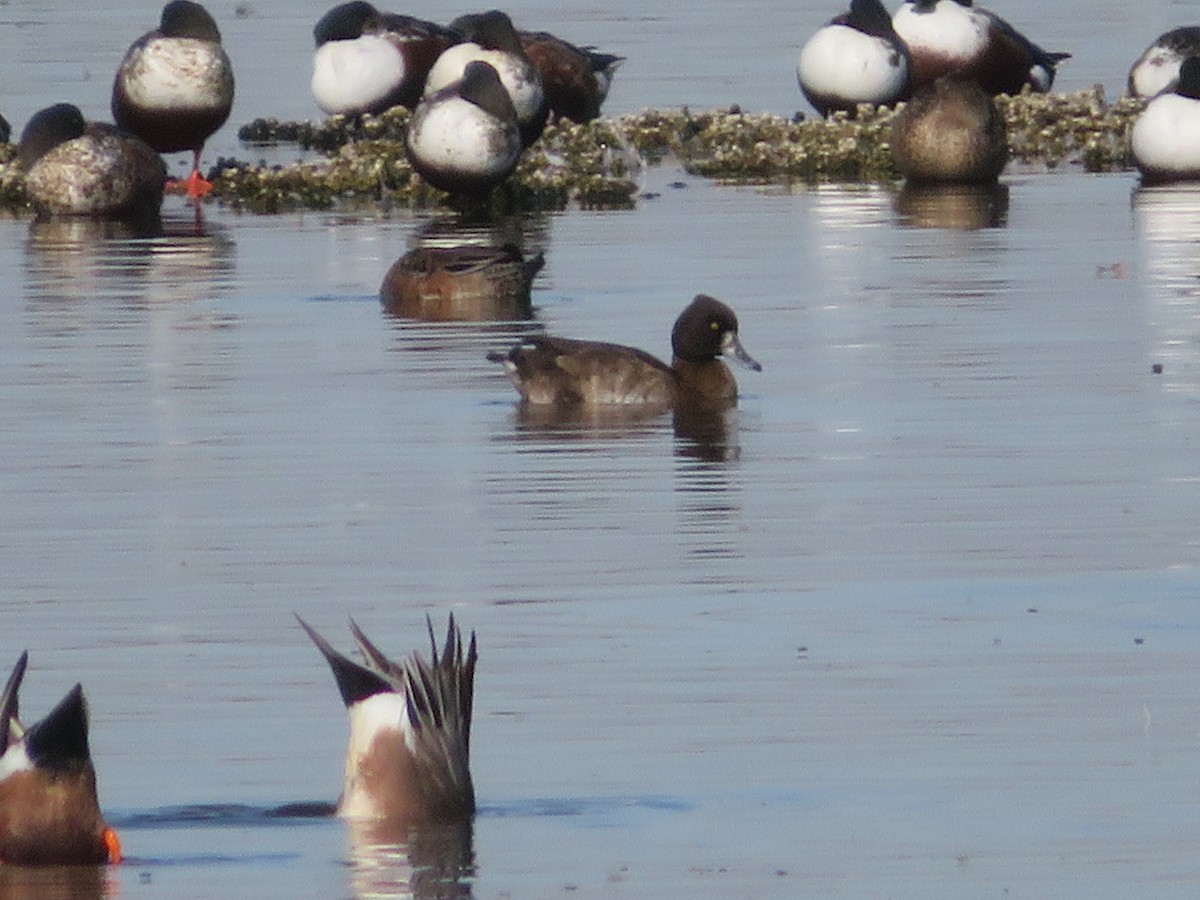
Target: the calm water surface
(918, 619)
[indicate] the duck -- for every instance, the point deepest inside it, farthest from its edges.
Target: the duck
(559, 371)
(951, 131)
(49, 812)
(367, 61)
(174, 87)
(1165, 138)
(408, 758)
(491, 37)
(1157, 69)
(945, 36)
(81, 168)
(464, 139)
(576, 80)
(463, 283)
(856, 58)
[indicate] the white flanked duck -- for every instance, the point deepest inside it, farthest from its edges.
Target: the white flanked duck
(367, 61)
(408, 758)
(49, 813)
(464, 138)
(1165, 139)
(174, 87)
(491, 38)
(856, 58)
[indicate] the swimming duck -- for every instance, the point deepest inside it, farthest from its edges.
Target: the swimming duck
(550, 370)
(575, 79)
(946, 36)
(464, 138)
(49, 814)
(950, 131)
(1157, 69)
(410, 730)
(367, 61)
(74, 167)
(1165, 138)
(174, 87)
(465, 283)
(856, 58)
(490, 37)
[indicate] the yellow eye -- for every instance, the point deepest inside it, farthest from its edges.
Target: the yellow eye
(714, 325)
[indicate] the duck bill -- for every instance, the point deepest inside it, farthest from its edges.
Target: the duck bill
(732, 348)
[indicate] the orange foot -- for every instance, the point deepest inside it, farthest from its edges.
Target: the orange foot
(195, 185)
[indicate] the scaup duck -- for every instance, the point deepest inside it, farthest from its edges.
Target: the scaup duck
(408, 757)
(490, 37)
(945, 36)
(174, 88)
(575, 79)
(1157, 69)
(950, 131)
(550, 370)
(464, 283)
(464, 138)
(1165, 139)
(73, 167)
(49, 813)
(856, 58)
(367, 61)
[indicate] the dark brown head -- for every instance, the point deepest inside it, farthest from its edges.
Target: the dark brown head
(706, 329)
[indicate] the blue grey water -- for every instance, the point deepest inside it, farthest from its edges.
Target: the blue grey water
(918, 619)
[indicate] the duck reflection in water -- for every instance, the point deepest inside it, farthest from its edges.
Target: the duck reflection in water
(58, 883)
(462, 273)
(145, 261)
(421, 861)
(959, 207)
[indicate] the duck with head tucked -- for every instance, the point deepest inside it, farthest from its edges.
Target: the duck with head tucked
(950, 132)
(49, 813)
(464, 139)
(575, 79)
(1157, 69)
(368, 61)
(73, 167)
(1165, 138)
(491, 38)
(408, 758)
(548, 370)
(174, 88)
(945, 36)
(856, 58)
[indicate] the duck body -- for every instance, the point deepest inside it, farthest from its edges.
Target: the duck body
(49, 813)
(954, 36)
(491, 38)
(1157, 69)
(408, 756)
(467, 283)
(367, 61)
(464, 139)
(1165, 138)
(88, 169)
(551, 370)
(575, 80)
(952, 132)
(174, 87)
(856, 58)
